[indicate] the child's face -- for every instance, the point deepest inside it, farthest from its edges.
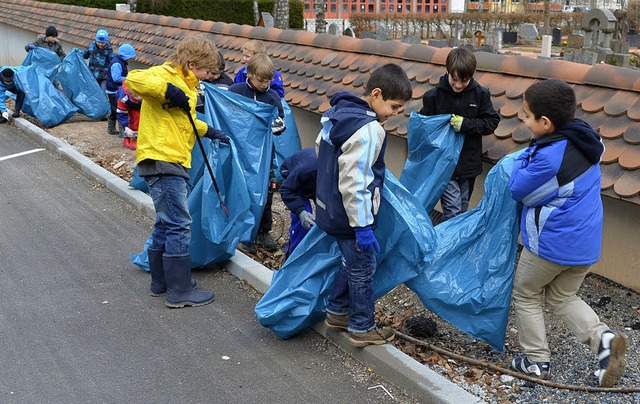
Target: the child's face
(384, 108)
(458, 84)
(101, 45)
(202, 73)
(539, 127)
(246, 55)
(260, 84)
(51, 39)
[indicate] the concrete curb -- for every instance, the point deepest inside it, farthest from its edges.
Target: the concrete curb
(387, 361)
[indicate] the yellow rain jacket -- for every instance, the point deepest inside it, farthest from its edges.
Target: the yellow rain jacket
(165, 134)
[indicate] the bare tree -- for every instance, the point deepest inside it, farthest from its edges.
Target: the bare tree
(281, 14)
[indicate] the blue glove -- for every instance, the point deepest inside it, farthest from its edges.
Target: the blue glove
(365, 240)
(214, 134)
(177, 98)
(31, 46)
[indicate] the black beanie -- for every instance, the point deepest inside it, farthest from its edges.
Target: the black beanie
(7, 75)
(51, 31)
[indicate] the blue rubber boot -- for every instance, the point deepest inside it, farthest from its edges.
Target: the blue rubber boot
(158, 284)
(180, 292)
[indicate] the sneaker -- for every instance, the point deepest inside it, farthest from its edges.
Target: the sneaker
(249, 248)
(267, 242)
(536, 369)
(16, 113)
(377, 336)
(611, 356)
(336, 321)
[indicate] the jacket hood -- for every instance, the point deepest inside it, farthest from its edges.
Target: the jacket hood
(348, 114)
(582, 135)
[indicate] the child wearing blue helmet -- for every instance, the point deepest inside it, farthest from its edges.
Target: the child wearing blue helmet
(116, 74)
(100, 53)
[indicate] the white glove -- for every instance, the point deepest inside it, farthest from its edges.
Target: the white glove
(129, 133)
(5, 115)
(307, 219)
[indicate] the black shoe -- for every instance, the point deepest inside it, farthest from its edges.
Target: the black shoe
(536, 369)
(16, 113)
(611, 356)
(267, 242)
(2, 120)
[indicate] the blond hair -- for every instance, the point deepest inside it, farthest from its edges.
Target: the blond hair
(261, 67)
(199, 50)
(255, 46)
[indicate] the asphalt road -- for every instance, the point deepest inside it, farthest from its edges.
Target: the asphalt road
(77, 324)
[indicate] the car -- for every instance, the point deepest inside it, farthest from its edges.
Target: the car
(581, 9)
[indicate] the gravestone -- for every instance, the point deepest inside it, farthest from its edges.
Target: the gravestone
(634, 40)
(586, 58)
(509, 37)
(334, 29)
(367, 35)
(575, 41)
(619, 46)
(381, 33)
(556, 36)
(349, 32)
(438, 43)
(125, 7)
(528, 32)
(266, 20)
(411, 39)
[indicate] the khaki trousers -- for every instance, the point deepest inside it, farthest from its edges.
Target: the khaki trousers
(559, 283)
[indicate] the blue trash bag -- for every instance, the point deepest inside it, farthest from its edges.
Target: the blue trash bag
(248, 123)
(138, 182)
(298, 293)
(81, 87)
(214, 236)
(46, 60)
(468, 282)
(432, 142)
(42, 99)
(286, 144)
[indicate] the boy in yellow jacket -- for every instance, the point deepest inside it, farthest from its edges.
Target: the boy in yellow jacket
(165, 139)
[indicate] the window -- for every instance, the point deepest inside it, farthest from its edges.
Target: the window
(444, 9)
(407, 8)
(383, 9)
(371, 8)
(419, 9)
(345, 8)
(427, 9)
(333, 8)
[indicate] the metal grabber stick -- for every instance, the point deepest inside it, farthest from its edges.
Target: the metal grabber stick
(206, 161)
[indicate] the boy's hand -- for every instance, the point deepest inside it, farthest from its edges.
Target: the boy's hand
(365, 240)
(5, 115)
(278, 126)
(177, 98)
(307, 219)
(456, 122)
(214, 134)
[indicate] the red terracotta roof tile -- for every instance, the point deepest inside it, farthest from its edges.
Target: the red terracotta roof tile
(610, 174)
(630, 158)
(613, 149)
(506, 127)
(632, 134)
(511, 108)
(619, 103)
(596, 100)
(627, 185)
(522, 134)
(615, 127)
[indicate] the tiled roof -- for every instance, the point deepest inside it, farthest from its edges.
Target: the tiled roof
(315, 67)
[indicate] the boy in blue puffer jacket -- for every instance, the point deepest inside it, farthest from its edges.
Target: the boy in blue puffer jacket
(557, 179)
(100, 53)
(350, 177)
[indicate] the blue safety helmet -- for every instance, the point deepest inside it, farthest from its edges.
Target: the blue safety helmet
(102, 36)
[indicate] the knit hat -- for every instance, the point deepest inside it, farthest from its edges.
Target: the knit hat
(102, 36)
(7, 75)
(51, 31)
(126, 52)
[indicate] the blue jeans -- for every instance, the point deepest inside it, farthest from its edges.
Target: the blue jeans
(455, 199)
(172, 230)
(352, 291)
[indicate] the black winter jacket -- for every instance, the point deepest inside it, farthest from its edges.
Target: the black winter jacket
(474, 105)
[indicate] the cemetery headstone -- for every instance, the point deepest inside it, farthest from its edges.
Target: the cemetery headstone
(267, 20)
(575, 41)
(367, 34)
(587, 58)
(411, 39)
(509, 37)
(349, 32)
(528, 32)
(556, 36)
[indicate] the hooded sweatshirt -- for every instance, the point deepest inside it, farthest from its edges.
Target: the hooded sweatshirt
(351, 168)
(557, 179)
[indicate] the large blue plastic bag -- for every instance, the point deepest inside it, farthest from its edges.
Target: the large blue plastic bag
(42, 99)
(298, 293)
(432, 143)
(248, 123)
(47, 61)
(214, 236)
(286, 144)
(468, 282)
(81, 87)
